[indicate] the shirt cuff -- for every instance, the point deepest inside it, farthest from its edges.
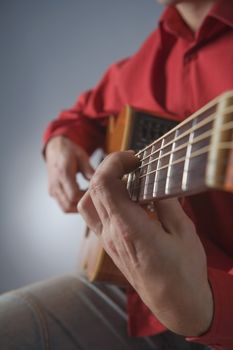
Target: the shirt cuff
(84, 134)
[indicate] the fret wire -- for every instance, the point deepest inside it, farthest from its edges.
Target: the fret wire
(129, 182)
(195, 154)
(207, 120)
(172, 176)
(224, 127)
(187, 132)
(144, 179)
(157, 166)
(183, 123)
(195, 140)
(187, 158)
(229, 145)
(170, 165)
(226, 145)
(147, 177)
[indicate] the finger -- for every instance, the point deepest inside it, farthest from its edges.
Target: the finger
(84, 166)
(62, 199)
(71, 189)
(88, 211)
(91, 217)
(172, 215)
(107, 189)
(117, 164)
(96, 193)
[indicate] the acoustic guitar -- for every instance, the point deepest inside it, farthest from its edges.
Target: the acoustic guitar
(177, 160)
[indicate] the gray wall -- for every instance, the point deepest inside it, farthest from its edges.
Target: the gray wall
(50, 52)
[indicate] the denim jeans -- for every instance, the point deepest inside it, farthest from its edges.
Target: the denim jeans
(69, 313)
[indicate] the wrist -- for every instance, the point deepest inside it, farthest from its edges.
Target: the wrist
(189, 313)
(52, 144)
(206, 311)
(199, 312)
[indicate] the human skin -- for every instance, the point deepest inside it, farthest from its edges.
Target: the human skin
(64, 159)
(162, 259)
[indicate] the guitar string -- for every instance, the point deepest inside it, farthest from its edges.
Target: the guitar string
(153, 182)
(148, 185)
(226, 110)
(179, 126)
(202, 137)
(204, 150)
(197, 126)
(225, 126)
(223, 163)
(204, 122)
(221, 146)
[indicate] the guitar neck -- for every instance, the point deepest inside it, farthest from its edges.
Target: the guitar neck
(192, 157)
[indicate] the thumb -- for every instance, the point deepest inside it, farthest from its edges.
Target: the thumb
(171, 214)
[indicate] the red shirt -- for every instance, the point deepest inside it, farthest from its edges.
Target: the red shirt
(174, 72)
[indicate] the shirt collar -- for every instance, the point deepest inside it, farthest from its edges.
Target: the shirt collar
(172, 22)
(223, 11)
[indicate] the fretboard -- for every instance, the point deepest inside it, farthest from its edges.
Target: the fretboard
(188, 159)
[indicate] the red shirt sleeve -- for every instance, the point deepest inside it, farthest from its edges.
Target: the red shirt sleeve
(125, 82)
(85, 123)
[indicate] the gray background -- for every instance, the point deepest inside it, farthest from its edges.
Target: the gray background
(50, 52)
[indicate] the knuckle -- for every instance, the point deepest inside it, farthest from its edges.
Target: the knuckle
(81, 206)
(99, 182)
(73, 197)
(98, 228)
(66, 207)
(110, 246)
(114, 157)
(85, 205)
(126, 234)
(59, 167)
(63, 172)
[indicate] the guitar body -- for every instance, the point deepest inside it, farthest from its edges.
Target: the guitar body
(133, 129)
